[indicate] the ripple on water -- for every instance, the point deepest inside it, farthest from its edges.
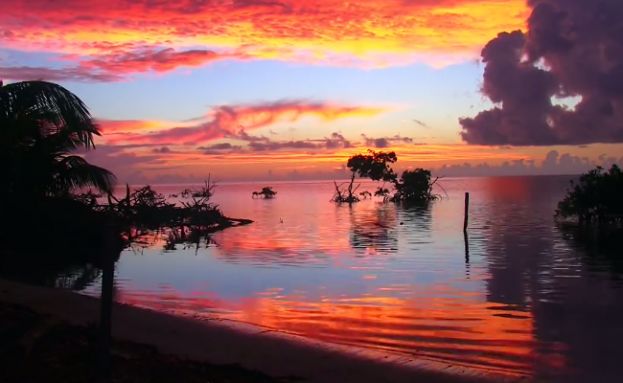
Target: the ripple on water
(511, 297)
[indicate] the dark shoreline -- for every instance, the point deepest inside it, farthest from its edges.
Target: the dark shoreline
(188, 345)
(39, 348)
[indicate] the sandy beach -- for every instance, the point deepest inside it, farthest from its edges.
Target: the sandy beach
(284, 357)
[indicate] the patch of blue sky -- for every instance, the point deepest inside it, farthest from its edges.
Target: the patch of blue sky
(19, 58)
(431, 94)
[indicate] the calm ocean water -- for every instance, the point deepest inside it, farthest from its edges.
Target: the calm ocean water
(521, 297)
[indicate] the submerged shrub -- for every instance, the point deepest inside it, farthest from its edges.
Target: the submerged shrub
(145, 208)
(374, 165)
(415, 186)
(267, 192)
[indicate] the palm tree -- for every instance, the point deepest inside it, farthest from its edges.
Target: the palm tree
(41, 123)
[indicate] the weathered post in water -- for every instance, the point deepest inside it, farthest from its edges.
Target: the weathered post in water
(466, 218)
(107, 254)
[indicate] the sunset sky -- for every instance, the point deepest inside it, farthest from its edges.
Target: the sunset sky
(261, 89)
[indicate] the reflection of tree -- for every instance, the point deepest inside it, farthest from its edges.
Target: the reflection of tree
(78, 278)
(587, 317)
(376, 229)
(517, 243)
(416, 216)
(564, 283)
(187, 236)
(601, 248)
(65, 267)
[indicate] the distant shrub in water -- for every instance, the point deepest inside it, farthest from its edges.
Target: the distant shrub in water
(414, 186)
(382, 192)
(374, 165)
(596, 199)
(267, 192)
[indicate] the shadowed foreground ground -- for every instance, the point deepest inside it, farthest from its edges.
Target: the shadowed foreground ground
(46, 335)
(37, 348)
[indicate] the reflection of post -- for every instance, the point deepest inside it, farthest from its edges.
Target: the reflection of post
(465, 220)
(466, 239)
(466, 212)
(107, 259)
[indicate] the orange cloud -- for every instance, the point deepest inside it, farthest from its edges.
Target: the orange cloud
(235, 121)
(109, 127)
(158, 60)
(313, 158)
(116, 66)
(135, 36)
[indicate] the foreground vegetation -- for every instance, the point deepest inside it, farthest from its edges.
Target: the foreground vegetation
(413, 186)
(42, 125)
(47, 226)
(596, 199)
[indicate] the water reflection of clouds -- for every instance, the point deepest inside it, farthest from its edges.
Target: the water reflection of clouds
(533, 268)
(373, 230)
(419, 323)
(380, 229)
(367, 229)
(389, 277)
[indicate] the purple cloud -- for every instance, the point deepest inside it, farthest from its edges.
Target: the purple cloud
(572, 48)
(118, 65)
(553, 163)
(384, 142)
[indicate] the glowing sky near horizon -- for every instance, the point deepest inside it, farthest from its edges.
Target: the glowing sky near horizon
(255, 89)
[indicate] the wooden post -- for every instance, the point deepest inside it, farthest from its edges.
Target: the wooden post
(107, 260)
(466, 218)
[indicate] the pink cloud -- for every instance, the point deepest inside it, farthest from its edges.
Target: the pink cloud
(118, 65)
(157, 36)
(234, 121)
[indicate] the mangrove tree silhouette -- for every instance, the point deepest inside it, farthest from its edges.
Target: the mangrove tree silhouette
(414, 186)
(596, 199)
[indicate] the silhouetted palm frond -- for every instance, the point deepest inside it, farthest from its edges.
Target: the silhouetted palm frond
(30, 110)
(76, 172)
(41, 123)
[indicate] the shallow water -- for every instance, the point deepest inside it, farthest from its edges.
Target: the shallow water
(519, 297)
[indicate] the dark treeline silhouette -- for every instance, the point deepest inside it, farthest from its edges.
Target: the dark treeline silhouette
(590, 216)
(596, 199)
(144, 209)
(413, 186)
